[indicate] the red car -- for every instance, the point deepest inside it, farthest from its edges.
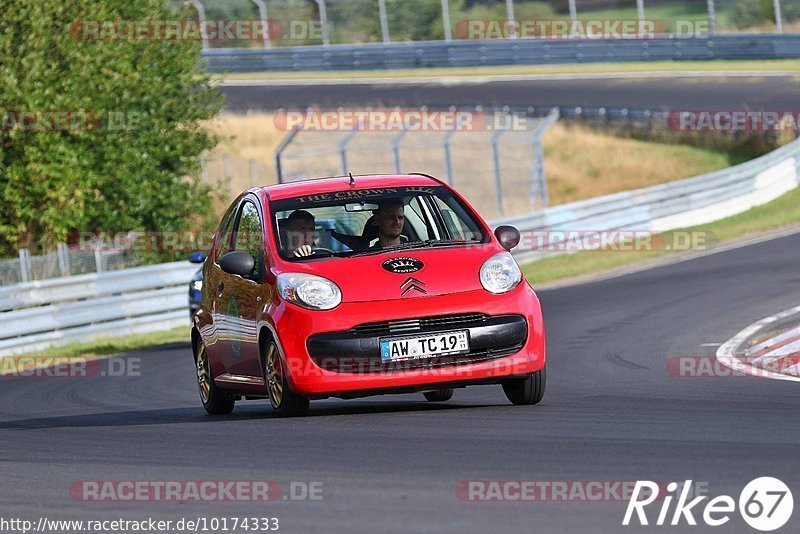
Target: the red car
(355, 286)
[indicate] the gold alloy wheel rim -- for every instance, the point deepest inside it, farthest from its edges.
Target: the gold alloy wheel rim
(274, 376)
(203, 375)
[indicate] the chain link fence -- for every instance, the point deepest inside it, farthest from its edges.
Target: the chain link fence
(497, 167)
(65, 261)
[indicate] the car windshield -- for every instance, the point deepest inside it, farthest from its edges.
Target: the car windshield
(372, 221)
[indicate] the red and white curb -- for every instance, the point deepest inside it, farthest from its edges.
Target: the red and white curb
(781, 352)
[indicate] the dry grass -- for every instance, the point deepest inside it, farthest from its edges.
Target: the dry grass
(250, 136)
(249, 142)
(583, 163)
(579, 162)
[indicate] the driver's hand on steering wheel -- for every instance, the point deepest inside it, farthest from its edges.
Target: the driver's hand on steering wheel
(302, 251)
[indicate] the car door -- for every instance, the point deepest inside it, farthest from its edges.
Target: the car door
(213, 284)
(242, 298)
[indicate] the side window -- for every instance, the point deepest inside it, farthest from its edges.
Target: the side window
(456, 221)
(224, 233)
(417, 216)
(249, 237)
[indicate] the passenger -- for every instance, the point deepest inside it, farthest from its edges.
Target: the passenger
(389, 219)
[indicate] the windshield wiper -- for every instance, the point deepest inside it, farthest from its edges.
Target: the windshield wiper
(411, 245)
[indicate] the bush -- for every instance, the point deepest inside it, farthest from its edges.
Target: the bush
(750, 13)
(129, 157)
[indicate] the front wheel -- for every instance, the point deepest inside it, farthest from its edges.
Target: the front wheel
(285, 402)
(215, 401)
(529, 390)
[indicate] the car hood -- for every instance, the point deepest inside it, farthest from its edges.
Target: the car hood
(416, 273)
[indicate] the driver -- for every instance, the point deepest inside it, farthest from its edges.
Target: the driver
(300, 229)
(390, 219)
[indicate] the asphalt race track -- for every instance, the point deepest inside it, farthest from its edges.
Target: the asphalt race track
(666, 92)
(612, 412)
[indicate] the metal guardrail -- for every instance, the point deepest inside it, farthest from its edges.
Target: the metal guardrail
(678, 204)
(38, 315)
(501, 52)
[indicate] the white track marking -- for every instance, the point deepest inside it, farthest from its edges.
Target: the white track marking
(771, 342)
(727, 353)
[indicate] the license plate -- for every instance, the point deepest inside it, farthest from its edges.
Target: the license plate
(412, 348)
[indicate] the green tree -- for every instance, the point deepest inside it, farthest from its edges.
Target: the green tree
(135, 163)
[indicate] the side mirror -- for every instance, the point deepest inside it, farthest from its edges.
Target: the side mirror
(197, 257)
(237, 262)
(508, 236)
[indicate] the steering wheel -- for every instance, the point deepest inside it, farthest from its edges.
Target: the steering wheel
(323, 249)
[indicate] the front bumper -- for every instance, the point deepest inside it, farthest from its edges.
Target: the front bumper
(331, 353)
(356, 351)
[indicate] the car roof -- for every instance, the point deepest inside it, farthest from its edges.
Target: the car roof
(342, 183)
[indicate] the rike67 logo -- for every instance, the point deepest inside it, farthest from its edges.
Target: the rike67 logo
(765, 504)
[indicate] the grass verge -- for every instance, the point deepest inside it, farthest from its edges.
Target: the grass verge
(90, 350)
(779, 213)
(790, 66)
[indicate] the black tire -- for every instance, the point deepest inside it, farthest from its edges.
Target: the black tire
(440, 395)
(529, 390)
(215, 401)
(285, 402)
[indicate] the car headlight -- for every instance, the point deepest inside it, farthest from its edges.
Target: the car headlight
(500, 273)
(197, 285)
(309, 291)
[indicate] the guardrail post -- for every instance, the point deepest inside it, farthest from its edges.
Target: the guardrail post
(262, 11)
(343, 150)
(201, 16)
(25, 265)
(279, 152)
(498, 177)
(396, 150)
(512, 22)
(448, 31)
(253, 173)
(640, 15)
(539, 196)
(323, 20)
(778, 17)
(63, 258)
(384, 21)
(98, 257)
(448, 161)
(712, 20)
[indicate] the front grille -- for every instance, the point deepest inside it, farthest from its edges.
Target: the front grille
(358, 350)
(384, 328)
(346, 365)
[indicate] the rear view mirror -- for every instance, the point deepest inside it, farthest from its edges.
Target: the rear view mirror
(508, 236)
(360, 206)
(237, 262)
